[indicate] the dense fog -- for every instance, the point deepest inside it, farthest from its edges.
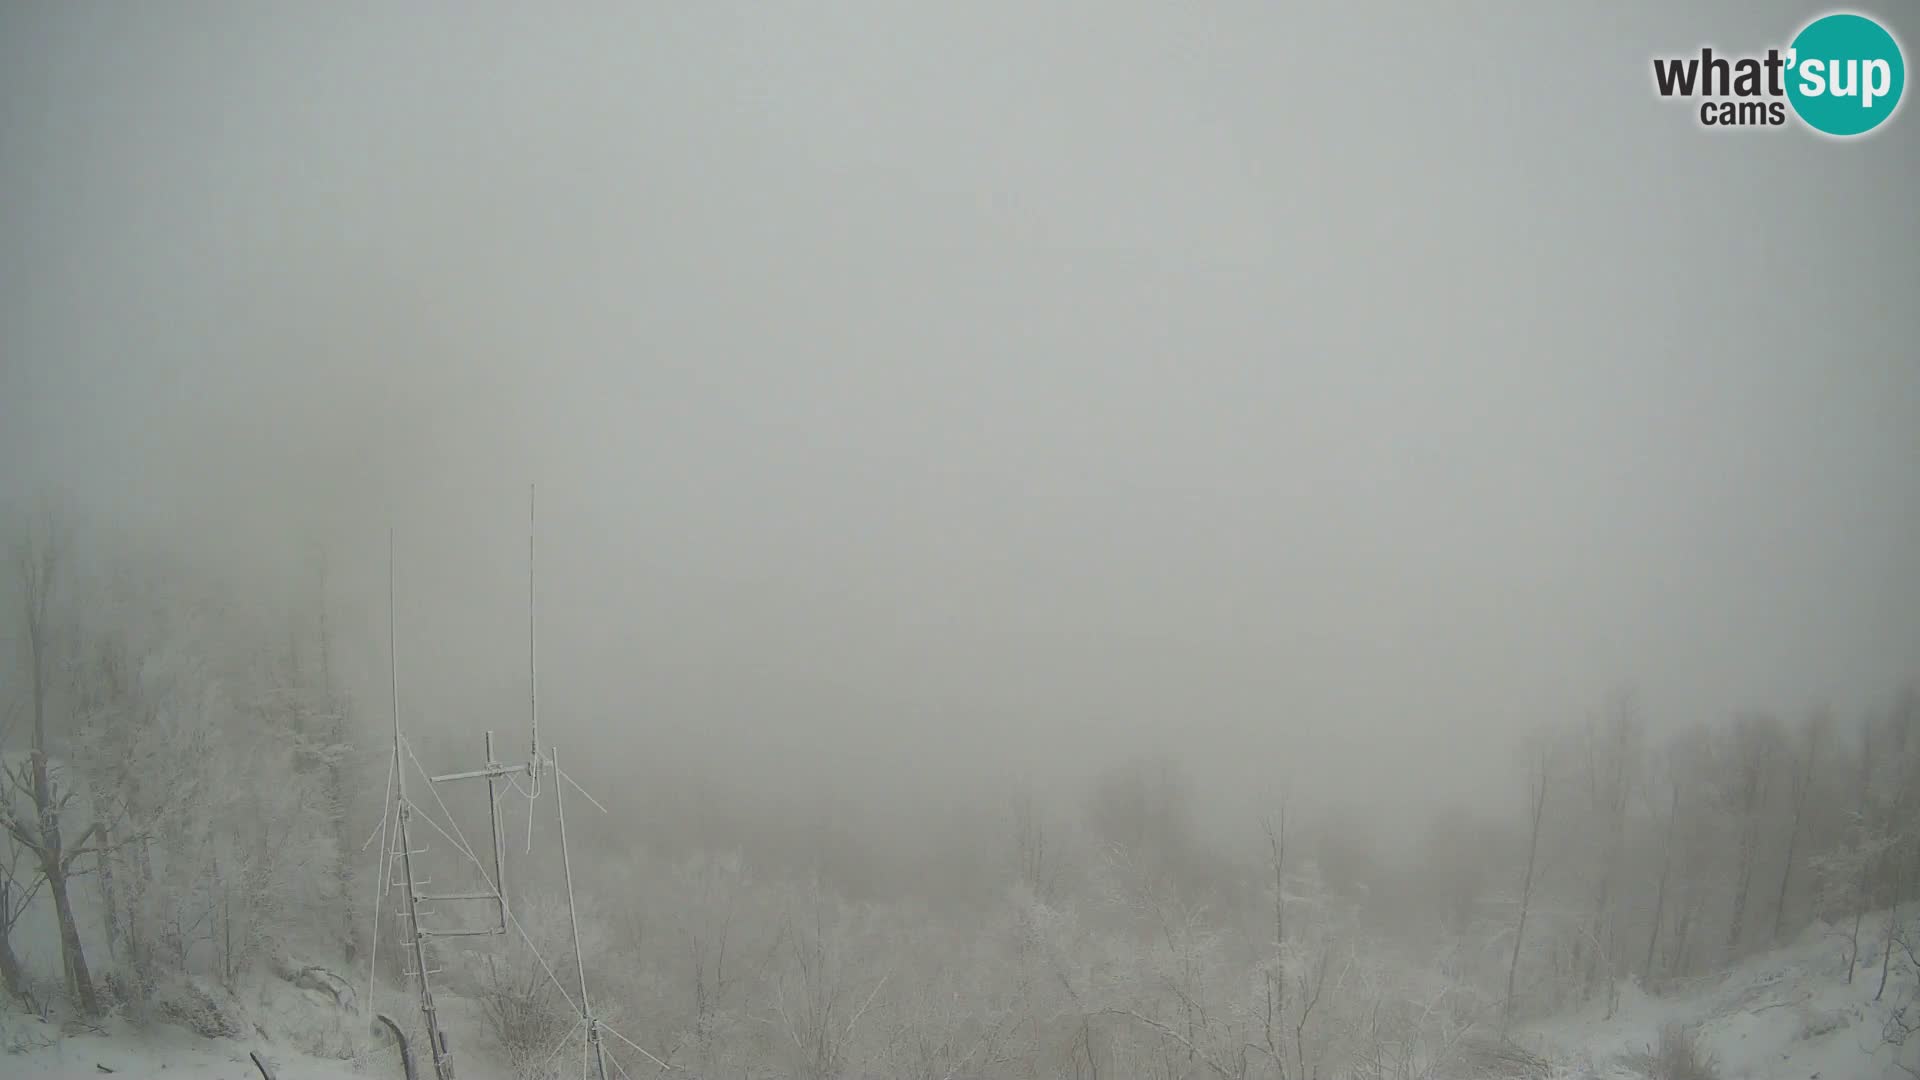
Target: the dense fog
(1013, 485)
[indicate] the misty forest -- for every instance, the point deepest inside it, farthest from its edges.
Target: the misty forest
(195, 776)
(953, 545)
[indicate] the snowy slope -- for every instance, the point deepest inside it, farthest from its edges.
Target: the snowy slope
(303, 1035)
(173, 1053)
(1787, 1014)
(31, 1050)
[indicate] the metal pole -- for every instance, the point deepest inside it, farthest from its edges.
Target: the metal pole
(566, 864)
(437, 1048)
(382, 880)
(533, 664)
(499, 838)
(533, 677)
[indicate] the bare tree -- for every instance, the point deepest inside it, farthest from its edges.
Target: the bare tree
(1276, 1003)
(816, 995)
(37, 557)
(1536, 812)
(1860, 827)
(525, 1015)
(15, 895)
(1901, 863)
(1811, 735)
(1753, 742)
(1612, 754)
(1666, 872)
(325, 729)
(1037, 866)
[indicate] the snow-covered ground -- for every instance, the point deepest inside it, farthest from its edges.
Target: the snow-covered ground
(160, 1051)
(301, 1035)
(1787, 1014)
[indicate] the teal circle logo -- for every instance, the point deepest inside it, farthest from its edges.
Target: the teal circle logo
(1845, 74)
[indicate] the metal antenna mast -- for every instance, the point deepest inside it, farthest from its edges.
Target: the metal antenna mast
(495, 773)
(437, 1042)
(573, 916)
(533, 662)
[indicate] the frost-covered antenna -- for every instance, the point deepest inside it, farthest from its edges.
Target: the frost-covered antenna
(573, 917)
(494, 772)
(593, 1049)
(437, 1042)
(533, 657)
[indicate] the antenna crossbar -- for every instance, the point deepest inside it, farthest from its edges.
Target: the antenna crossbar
(495, 772)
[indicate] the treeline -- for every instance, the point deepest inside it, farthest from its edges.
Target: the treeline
(191, 790)
(181, 777)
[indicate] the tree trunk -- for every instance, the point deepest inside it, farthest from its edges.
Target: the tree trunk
(226, 928)
(11, 978)
(1786, 875)
(1526, 893)
(1800, 791)
(109, 901)
(1893, 932)
(1853, 940)
(339, 801)
(1865, 887)
(39, 564)
(140, 933)
(53, 864)
(1741, 883)
(343, 848)
(1277, 986)
(1660, 895)
(1886, 954)
(1679, 964)
(79, 982)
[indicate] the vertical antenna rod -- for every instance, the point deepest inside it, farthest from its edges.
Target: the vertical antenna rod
(533, 664)
(533, 679)
(566, 864)
(437, 1043)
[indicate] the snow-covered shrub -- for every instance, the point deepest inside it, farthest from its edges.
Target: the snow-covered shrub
(1498, 1059)
(184, 1002)
(1678, 1057)
(525, 1016)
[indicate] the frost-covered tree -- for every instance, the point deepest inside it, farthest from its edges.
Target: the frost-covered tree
(47, 792)
(1539, 779)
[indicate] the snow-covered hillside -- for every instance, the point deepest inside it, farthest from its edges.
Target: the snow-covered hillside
(1786, 1014)
(173, 1053)
(298, 1033)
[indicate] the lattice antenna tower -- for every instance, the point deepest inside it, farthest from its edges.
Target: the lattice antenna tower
(403, 813)
(495, 773)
